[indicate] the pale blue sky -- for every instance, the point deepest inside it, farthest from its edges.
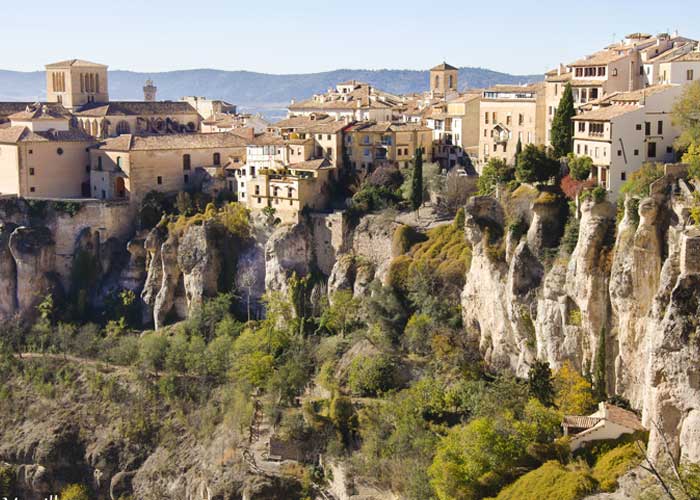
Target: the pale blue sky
(302, 36)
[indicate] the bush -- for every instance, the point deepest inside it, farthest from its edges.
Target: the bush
(616, 462)
(404, 238)
(371, 375)
(75, 492)
(639, 181)
(580, 167)
(495, 172)
(388, 177)
(7, 480)
(153, 350)
(535, 165)
(551, 480)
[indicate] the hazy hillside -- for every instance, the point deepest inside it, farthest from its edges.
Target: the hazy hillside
(266, 93)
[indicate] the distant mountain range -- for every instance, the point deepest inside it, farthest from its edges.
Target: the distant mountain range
(254, 92)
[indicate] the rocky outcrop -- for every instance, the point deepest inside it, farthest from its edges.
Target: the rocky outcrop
(8, 273)
(289, 250)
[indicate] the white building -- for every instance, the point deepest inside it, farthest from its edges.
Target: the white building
(609, 422)
(626, 130)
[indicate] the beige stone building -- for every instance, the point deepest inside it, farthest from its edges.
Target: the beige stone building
(625, 130)
(351, 101)
(508, 114)
(373, 144)
(443, 80)
(129, 166)
(284, 174)
(226, 122)
(75, 83)
(628, 65)
(41, 156)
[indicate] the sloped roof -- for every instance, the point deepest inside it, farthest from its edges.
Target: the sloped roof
(318, 164)
(74, 62)
(129, 142)
(443, 67)
(623, 417)
(600, 58)
(136, 108)
(37, 111)
(606, 113)
(20, 133)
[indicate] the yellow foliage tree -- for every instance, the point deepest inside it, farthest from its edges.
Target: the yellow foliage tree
(574, 395)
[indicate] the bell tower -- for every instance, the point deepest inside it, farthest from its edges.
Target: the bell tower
(149, 91)
(75, 83)
(443, 79)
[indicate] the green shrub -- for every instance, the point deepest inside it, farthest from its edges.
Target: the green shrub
(616, 462)
(640, 180)
(7, 480)
(371, 375)
(75, 492)
(404, 238)
(551, 480)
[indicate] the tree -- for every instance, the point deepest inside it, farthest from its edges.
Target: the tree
(341, 313)
(540, 382)
(342, 414)
(248, 280)
(75, 492)
(599, 369)
(562, 124)
(573, 392)
(536, 165)
(183, 202)
(580, 167)
(518, 150)
(417, 187)
(686, 116)
(495, 172)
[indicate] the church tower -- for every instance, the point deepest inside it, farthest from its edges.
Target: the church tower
(75, 83)
(149, 91)
(443, 79)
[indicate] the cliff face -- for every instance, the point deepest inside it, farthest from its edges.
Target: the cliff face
(640, 290)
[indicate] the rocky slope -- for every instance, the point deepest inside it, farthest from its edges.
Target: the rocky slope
(639, 290)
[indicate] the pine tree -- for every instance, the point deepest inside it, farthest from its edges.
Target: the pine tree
(563, 126)
(540, 382)
(599, 371)
(417, 182)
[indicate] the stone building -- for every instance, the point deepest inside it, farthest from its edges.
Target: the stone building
(508, 114)
(283, 174)
(129, 166)
(625, 130)
(42, 156)
(370, 145)
(443, 80)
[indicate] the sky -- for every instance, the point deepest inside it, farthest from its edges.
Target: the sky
(307, 36)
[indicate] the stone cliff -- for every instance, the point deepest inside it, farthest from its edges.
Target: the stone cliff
(638, 288)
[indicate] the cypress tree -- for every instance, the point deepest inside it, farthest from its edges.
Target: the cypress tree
(540, 382)
(518, 150)
(417, 184)
(562, 124)
(599, 372)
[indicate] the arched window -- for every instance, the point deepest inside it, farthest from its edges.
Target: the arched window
(97, 82)
(437, 81)
(99, 163)
(119, 161)
(217, 159)
(123, 127)
(186, 162)
(91, 87)
(82, 83)
(95, 129)
(450, 81)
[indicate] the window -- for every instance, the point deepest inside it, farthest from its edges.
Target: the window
(619, 152)
(159, 180)
(32, 189)
(521, 119)
(578, 149)
(186, 162)
(636, 152)
(614, 72)
(486, 118)
(31, 151)
(623, 176)
(581, 126)
(99, 163)
(660, 127)
(119, 161)
(31, 171)
(217, 159)
(689, 75)
(669, 149)
(187, 178)
(579, 71)
(508, 120)
(639, 126)
(651, 150)
(257, 189)
(647, 128)
(594, 93)
(59, 151)
(556, 91)
(596, 129)
(601, 71)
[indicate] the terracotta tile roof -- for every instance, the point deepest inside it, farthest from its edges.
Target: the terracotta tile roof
(564, 77)
(693, 56)
(20, 133)
(606, 113)
(578, 82)
(363, 96)
(10, 108)
(636, 96)
(318, 164)
(623, 417)
(580, 421)
(600, 58)
(128, 142)
(74, 62)
(37, 111)
(381, 127)
(267, 139)
(442, 67)
(136, 108)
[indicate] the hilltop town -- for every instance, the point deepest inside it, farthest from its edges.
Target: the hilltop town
(455, 294)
